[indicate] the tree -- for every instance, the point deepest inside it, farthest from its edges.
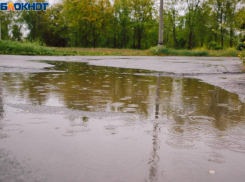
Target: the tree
(89, 18)
(16, 31)
(193, 7)
(142, 13)
(36, 22)
(122, 23)
(130, 23)
(57, 32)
(5, 20)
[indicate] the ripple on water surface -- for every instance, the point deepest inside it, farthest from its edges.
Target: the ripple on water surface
(228, 173)
(169, 116)
(185, 131)
(214, 157)
(12, 127)
(111, 159)
(227, 142)
(3, 136)
(180, 143)
(184, 171)
(201, 119)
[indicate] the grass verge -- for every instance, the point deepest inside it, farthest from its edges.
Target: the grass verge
(205, 53)
(103, 51)
(17, 48)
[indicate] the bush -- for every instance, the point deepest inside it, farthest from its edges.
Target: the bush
(159, 51)
(18, 48)
(180, 43)
(215, 46)
(241, 46)
(201, 53)
(242, 57)
(165, 51)
(13, 47)
(218, 47)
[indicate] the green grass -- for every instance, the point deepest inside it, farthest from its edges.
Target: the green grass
(103, 51)
(206, 53)
(18, 48)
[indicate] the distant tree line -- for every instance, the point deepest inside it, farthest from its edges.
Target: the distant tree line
(188, 24)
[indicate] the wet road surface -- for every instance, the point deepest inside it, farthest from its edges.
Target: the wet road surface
(76, 122)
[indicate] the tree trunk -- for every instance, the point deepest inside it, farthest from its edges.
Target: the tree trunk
(76, 44)
(140, 31)
(215, 37)
(115, 40)
(190, 33)
(221, 29)
(0, 29)
(94, 41)
(174, 29)
(134, 38)
(124, 38)
(217, 22)
(123, 34)
(231, 37)
(174, 34)
(115, 36)
(190, 40)
(160, 39)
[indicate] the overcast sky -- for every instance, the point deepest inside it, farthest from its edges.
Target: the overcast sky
(53, 1)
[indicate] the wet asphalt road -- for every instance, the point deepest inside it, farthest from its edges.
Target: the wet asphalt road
(104, 124)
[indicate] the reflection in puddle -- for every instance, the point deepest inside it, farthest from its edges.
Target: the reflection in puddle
(114, 124)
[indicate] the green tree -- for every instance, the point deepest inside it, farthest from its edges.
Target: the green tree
(89, 18)
(142, 13)
(16, 32)
(5, 20)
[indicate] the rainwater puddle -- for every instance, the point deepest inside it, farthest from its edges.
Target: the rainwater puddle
(94, 123)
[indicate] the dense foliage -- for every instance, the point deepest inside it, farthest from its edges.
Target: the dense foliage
(188, 24)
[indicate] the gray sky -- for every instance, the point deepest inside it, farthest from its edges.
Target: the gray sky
(53, 1)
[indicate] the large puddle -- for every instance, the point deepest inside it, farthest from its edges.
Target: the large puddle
(90, 123)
